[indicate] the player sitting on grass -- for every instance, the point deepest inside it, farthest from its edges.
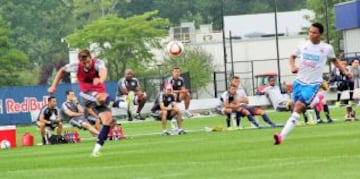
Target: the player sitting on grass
(275, 95)
(165, 108)
(73, 111)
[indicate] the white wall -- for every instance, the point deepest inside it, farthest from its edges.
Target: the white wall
(253, 50)
(351, 40)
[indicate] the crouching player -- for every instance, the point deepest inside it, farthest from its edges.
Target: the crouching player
(49, 118)
(73, 111)
(245, 101)
(232, 104)
(165, 108)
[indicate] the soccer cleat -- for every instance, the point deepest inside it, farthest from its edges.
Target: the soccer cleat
(95, 155)
(278, 139)
(319, 121)
(166, 133)
(188, 114)
(181, 132)
(139, 117)
(330, 120)
(130, 118)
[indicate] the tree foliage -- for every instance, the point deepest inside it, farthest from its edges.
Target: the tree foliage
(318, 6)
(123, 42)
(12, 60)
(38, 26)
(196, 61)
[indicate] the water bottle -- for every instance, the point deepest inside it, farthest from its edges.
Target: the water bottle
(76, 136)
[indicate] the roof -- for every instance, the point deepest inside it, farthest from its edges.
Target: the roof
(290, 22)
(267, 74)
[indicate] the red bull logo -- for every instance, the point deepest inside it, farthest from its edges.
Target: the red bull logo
(27, 105)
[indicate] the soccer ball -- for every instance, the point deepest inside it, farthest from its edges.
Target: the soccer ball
(175, 48)
(5, 144)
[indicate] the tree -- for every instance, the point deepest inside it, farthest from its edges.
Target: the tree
(196, 61)
(123, 42)
(12, 60)
(37, 28)
(318, 6)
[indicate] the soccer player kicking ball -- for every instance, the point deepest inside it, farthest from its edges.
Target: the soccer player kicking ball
(91, 74)
(312, 58)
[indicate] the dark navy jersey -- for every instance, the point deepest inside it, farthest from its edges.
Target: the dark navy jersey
(70, 106)
(130, 85)
(49, 114)
(167, 99)
(177, 84)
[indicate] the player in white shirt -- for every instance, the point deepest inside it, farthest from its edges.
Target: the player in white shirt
(312, 57)
(273, 92)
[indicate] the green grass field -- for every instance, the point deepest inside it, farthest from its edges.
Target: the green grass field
(321, 151)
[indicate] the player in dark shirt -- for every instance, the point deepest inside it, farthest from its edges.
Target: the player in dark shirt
(178, 85)
(128, 88)
(165, 108)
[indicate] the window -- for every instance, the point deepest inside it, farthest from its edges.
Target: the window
(182, 34)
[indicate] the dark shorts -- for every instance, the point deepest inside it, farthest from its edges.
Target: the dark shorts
(78, 121)
(156, 115)
(50, 126)
(253, 110)
(89, 99)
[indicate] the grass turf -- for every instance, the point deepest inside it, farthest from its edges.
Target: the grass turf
(321, 151)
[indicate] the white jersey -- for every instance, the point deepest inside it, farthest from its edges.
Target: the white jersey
(73, 67)
(274, 94)
(226, 96)
(312, 59)
(241, 92)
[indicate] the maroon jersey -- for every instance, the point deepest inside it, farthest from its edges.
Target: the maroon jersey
(86, 76)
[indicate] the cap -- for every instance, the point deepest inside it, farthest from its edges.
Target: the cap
(168, 86)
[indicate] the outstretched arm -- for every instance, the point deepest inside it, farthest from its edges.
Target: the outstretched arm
(57, 79)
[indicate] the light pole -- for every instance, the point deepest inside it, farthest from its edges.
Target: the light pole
(224, 44)
(277, 43)
(327, 26)
(231, 54)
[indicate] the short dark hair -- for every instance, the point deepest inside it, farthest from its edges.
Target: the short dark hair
(68, 92)
(83, 54)
(232, 86)
(355, 58)
(176, 68)
(271, 77)
(235, 77)
(50, 98)
(319, 26)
